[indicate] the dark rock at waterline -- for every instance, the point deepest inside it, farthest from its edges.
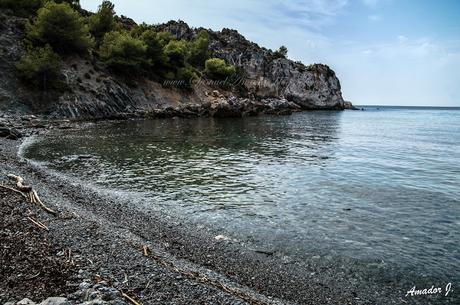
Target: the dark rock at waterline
(10, 133)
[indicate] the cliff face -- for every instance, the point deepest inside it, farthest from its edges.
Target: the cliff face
(272, 85)
(312, 87)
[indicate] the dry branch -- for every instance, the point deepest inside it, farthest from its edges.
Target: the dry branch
(38, 223)
(30, 194)
(14, 190)
(146, 250)
(37, 200)
(20, 183)
(130, 299)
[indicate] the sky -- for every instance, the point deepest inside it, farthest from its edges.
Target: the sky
(385, 52)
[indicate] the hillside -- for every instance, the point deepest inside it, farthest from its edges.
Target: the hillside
(267, 83)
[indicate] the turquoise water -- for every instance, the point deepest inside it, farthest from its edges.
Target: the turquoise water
(381, 184)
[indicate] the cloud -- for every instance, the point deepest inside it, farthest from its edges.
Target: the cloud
(309, 13)
(374, 18)
(270, 23)
(320, 7)
(402, 38)
(370, 3)
(405, 71)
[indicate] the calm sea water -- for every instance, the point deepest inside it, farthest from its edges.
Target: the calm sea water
(381, 184)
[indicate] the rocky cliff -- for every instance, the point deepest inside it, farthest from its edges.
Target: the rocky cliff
(270, 85)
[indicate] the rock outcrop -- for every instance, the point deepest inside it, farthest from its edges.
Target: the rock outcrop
(271, 85)
(311, 87)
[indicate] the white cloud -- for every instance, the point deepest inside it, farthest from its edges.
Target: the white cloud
(370, 3)
(402, 38)
(311, 13)
(416, 72)
(270, 23)
(374, 18)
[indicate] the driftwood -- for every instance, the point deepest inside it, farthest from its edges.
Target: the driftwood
(28, 193)
(37, 200)
(134, 302)
(38, 223)
(146, 250)
(20, 184)
(15, 190)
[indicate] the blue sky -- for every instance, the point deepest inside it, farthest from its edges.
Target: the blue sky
(385, 52)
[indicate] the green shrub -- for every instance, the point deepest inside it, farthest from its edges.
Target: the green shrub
(41, 68)
(199, 50)
(139, 29)
(62, 27)
(216, 68)
(122, 52)
(165, 37)
(155, 44)
(176, 53)
(21, 8)
(103, 21)
(186, 75)
(280, 53)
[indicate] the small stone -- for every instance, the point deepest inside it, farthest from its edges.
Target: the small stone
(26, 301)
(94, 295)
(84, 286)
(55, 301)
(10, 133)
(94, 302)
(221, 237)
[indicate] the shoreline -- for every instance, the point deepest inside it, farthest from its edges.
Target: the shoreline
(200, 284)
(204, 269)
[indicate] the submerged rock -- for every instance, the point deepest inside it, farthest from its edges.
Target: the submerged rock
(10, 133)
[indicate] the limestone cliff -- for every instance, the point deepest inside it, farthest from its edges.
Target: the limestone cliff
(271, 85)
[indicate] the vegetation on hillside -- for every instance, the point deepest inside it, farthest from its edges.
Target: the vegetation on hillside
(40, 67)
(122, 52)
(103, 21)
(21, 8)
(61, 27)
(280, 53)
(216, 68)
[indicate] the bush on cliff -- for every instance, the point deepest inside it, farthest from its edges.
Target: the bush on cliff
(165, 37)
(122, 52)
(199, 50)
(280, 53)
(218, 69)
(186, 75)
(176, 53)
(103, 21)
(155, 44)
(21, 8)
(60, 26)
(41, 68)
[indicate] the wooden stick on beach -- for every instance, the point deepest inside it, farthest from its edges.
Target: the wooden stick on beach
(38, 223)
(31, 193)
(37, 200)
(14, 190)
(130, 299)
(20, 183)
